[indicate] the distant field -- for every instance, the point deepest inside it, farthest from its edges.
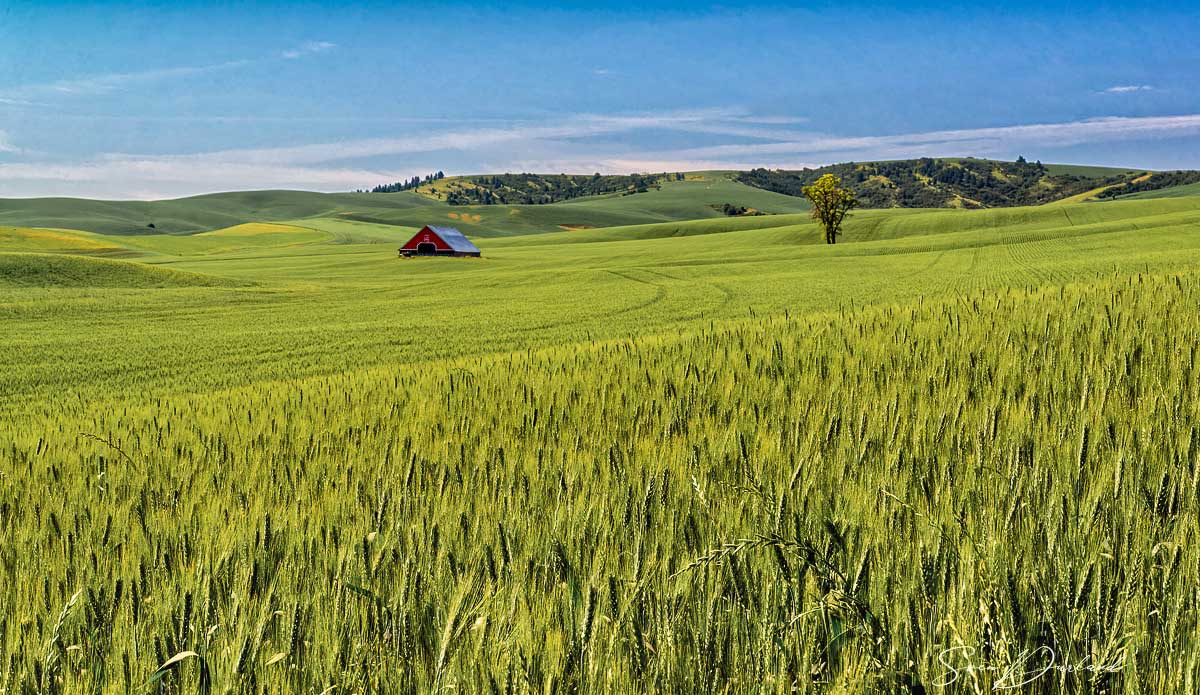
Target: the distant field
(650, 455)
(1090, 171)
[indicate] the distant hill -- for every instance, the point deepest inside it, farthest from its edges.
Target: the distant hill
(958, 183)
(514, 204)
(701, 195)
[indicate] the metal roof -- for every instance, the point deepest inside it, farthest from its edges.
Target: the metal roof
(455, 239)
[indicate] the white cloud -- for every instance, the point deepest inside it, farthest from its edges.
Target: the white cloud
(1129, 88)
(579, 126)
(322, 166)
(771, 120)
(5, 144)
(149, 179)
(308, 48)
(564, 144)
(967, 141)
(111, 82)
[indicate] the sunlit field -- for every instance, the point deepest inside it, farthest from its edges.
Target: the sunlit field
(709, 455)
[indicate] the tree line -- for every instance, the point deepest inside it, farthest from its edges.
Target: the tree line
(932, 183)
(541, 189)
(407, 185)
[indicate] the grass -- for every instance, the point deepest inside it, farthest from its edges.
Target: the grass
(678, 456)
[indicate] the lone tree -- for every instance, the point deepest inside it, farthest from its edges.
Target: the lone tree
(830, 204)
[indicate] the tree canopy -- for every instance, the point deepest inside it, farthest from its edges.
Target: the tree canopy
(830, 204)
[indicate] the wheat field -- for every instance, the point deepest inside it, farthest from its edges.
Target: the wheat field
(955, 461)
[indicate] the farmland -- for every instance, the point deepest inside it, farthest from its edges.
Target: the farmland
(661, 451)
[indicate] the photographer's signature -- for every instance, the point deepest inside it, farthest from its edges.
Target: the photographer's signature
(1023, 669)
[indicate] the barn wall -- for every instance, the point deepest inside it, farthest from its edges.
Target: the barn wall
(426, 236)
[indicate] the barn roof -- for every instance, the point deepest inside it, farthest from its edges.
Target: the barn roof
(455, 239)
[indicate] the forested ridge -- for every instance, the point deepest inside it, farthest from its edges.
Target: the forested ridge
(936, 183)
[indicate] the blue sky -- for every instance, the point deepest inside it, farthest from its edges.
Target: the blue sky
(124, 101)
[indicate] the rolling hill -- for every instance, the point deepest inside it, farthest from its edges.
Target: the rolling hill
(953, 183)
(701, 196)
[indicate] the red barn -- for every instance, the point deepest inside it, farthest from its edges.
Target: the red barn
(439, 241)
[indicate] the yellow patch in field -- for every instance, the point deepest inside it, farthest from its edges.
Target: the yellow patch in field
(20, 238)
(1081, 197)
(452, 215)
(253, 229)
(575, 227)
(694, 177)
(1144, 177)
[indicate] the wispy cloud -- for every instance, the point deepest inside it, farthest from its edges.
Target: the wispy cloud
(151, 178)
(771, 120)
(578, 126)
(92, 85)
(5, 144)
(308, 48)
(966, 141)
(1129, 89)
(329, 166)
(111, 82)
(577, 143)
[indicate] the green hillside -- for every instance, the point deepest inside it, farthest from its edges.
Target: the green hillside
(664, 455)
(1173, 192)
